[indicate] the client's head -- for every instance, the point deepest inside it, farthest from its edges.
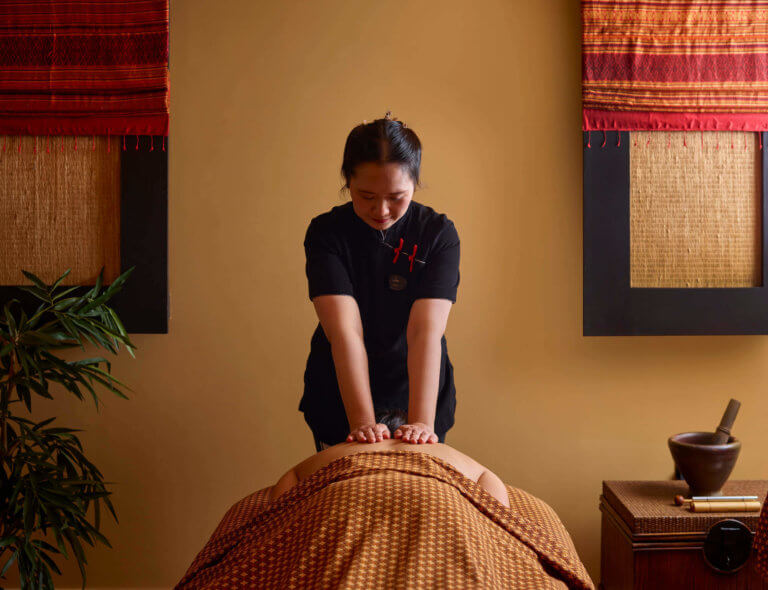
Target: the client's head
(392, 418)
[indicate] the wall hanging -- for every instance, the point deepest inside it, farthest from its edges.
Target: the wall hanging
(84, 113)
(675, 114)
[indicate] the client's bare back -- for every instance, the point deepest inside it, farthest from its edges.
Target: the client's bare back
(464, 464)
(467, 466)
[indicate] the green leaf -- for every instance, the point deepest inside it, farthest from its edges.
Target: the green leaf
(95, 360)
(38, 338)
(28, 516)
(92, 335)
(39, 389)
(23, 392)
(59, 430)
(71, 329)
(97, 515)
(37, 281)
(108, 502)
(10, 319)
(73, 388)
(130, 347)
(107, 384)
(45, 422)
(64, 292)
(99, 282)
(60, 543)
(30, 552)
(61, 278)
(112, 378)
(93, 304)
(68, 302)
(77, 549)
(37, 292)
(23, 360)
(8, 563)
(50, 561)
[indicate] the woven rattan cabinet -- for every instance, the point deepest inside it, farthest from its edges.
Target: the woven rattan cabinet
(648, 543)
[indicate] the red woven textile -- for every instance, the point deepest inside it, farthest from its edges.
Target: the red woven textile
(83, 67)
(675, 65)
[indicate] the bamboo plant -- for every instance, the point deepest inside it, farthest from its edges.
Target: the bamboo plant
(51, 495)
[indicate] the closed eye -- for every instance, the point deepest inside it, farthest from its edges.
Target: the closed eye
(392, 197)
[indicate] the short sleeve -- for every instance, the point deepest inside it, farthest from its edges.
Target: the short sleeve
(326, 272)
(440, 277)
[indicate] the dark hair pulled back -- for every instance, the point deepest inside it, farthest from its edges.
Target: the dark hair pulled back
(392, 418)
(382, 140)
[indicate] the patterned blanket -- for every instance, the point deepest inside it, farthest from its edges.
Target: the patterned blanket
(388, 519)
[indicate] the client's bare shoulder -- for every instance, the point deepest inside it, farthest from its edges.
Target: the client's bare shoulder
(464, 464)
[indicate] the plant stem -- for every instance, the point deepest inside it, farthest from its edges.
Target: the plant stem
(4, 399)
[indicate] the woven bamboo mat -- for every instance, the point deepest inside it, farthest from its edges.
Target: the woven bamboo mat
(59, 209)
(695, 209)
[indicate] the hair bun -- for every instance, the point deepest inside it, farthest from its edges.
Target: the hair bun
(388, 116)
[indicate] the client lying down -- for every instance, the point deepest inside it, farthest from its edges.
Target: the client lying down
(388, 515)
(467, 466)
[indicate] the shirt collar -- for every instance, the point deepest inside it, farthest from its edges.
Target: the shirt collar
(393, 229)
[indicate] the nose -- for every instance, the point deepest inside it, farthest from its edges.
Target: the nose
(380, 210)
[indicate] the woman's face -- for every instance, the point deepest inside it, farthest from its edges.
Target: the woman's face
(381, 193)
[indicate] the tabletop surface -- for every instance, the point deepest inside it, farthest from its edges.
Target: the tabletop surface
(648, 507)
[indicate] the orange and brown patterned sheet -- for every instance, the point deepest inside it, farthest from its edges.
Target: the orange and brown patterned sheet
(388, 519)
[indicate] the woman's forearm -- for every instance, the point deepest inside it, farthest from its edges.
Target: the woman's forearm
(351, 361)
(423, 376)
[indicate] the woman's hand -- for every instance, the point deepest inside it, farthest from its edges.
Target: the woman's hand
(416, 433)
(368, 433)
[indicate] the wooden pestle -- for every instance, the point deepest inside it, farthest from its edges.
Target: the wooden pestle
(723, 432)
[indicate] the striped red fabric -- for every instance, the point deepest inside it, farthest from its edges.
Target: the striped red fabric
(675, 65)
(83, 67)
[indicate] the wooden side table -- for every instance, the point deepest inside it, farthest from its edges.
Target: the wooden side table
(649, 543)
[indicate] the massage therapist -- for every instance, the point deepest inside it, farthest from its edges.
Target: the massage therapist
(383, 272)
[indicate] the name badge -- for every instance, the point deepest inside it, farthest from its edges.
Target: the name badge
(397, 283)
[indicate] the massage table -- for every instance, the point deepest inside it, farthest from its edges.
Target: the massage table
(388, 519)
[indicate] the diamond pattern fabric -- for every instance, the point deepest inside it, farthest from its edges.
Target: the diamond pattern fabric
(388, 519)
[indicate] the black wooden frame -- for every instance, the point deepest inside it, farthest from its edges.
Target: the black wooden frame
(142, 303)
(611, 306)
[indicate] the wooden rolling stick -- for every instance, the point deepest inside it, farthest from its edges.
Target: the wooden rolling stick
(719, 503)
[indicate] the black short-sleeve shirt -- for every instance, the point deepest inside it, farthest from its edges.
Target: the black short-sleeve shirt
(385, 271)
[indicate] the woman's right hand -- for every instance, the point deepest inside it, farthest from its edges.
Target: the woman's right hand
(368, 433)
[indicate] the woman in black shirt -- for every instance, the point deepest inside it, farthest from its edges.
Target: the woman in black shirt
(383, 272)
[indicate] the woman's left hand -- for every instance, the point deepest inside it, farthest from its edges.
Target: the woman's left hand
(416, 433)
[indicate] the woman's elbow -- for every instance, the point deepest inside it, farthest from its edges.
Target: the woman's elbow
(343, 334)
(422, 332)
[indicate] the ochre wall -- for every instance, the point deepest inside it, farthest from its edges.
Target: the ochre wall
(263, 95)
